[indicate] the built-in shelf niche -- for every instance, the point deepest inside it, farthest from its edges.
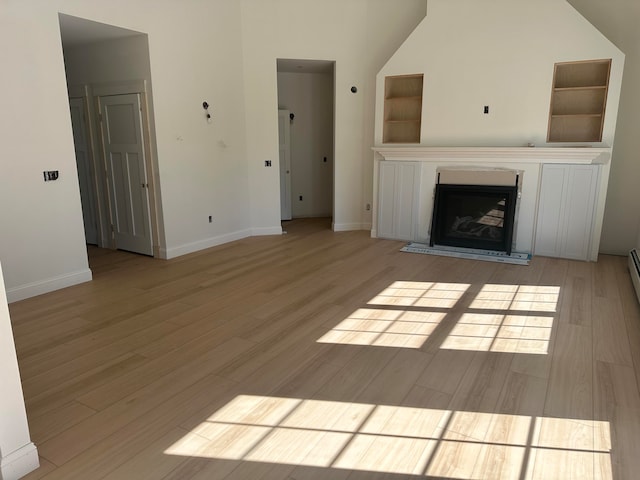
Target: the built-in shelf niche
(578, 101)
(402, 109)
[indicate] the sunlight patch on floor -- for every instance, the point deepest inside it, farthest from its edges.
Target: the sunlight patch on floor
(385, 328)
(500, 318)
(400, 440)
(504, 330)
(421, 294)
(531, 298)
(501, 333)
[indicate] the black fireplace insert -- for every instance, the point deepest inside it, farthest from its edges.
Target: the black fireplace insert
(474, 216)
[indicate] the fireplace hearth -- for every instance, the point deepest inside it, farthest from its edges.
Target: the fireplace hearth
(477, 217)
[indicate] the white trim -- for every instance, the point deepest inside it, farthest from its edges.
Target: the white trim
(168, 253)
(349, 227)
(575, 155)
(48, 285)
(17, 464)
(119, 88)
(263, 231)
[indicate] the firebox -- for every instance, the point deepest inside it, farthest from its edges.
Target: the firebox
(474, 216)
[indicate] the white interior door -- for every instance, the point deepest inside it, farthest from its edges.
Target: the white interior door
(85, 172)
(121, 126)
(284, 133)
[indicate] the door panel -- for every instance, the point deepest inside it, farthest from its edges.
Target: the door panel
(284, 134)
(85, 176)
(128, 187)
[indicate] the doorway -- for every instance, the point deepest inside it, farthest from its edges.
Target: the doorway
(120, 196)
(306, 99)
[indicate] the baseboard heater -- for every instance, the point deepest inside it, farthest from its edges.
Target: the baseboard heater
(634, 271)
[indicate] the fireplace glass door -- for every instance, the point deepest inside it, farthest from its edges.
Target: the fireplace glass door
(474, 216)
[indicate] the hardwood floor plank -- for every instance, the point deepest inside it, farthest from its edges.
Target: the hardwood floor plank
(395, 380)
(487, 370)
(52, 423)
(454, 362)
(62, 448)
(74, 387)
(204, 355)
(610, 338)
(141, 427)
(569, 393)
(631, 312)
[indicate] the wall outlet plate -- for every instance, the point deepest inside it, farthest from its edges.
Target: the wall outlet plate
(50, 175)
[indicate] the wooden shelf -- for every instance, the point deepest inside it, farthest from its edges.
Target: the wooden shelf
(577, 115)
(402, 109)
(575, 128)
(573, 89)
(578, 101)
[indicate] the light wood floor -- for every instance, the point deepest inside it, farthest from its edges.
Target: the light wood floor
(320, 355)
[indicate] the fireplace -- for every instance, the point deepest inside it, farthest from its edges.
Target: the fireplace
(474, 216)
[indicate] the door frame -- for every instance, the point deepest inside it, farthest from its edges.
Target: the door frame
(141, 88)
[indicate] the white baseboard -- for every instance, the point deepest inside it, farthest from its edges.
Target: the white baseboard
(29, 290)
(348, 227)
(260, 232)
(17, 464)
(173, 252)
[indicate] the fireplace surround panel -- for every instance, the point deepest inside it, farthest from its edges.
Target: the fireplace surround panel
(470, 176)
(531, 227)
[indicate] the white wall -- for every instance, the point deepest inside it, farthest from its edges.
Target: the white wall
(310, 97)
(354, 34)
(18, 455)
(618, 20)
(498, 53)
(42, 235)
(195, 55)
(221, 51)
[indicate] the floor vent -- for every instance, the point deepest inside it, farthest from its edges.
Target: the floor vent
(634, 271)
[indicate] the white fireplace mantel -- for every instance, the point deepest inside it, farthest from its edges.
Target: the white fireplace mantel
(405, 178)
(539, 155)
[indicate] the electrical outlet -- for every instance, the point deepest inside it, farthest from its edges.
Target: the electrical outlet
(300, 198)
(367, 207)
(210, 219)
(486, 109)
(267, 163)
